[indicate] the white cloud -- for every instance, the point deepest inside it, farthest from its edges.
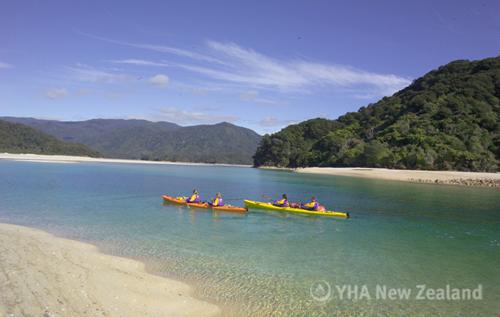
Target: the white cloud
(255, 70)
(347, 77)
(159, 80)
(252, 68)
(175, 51)
(93, 75)
(185, 117)
(231, 63)
(159, 48)
(5, 65)
(56, 93)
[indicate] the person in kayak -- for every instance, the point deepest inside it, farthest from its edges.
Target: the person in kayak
(312, 205)
(283, 202)
(194, 198)
(217, 201)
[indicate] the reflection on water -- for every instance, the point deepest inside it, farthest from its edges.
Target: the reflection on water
(263, 263)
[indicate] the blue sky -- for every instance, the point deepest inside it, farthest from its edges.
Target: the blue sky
(259, 64)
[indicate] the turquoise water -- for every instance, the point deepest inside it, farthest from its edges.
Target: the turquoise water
(262, 263)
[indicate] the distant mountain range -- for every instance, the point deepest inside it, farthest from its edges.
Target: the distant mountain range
(19, 138)
(445, 120)
(146, 140)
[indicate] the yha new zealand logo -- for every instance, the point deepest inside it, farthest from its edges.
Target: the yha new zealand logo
(322, 292)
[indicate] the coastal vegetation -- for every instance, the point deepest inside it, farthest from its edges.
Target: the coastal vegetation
(155, 141)
(445, 120)
(18, 138)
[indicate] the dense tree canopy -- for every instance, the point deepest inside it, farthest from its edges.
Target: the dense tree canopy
(18, 138)
(446, 120)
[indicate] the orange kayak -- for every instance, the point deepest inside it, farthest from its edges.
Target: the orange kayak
(181, 201)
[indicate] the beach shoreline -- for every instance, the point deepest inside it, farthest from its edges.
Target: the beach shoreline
(44, 275)
(474, 179)
(414, 176)
(85, 159)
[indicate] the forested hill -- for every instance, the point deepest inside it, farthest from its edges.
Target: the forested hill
(163, 141)
(18, 138)
(445, 120)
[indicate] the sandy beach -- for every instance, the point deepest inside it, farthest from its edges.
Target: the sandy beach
(43, 275)
(85, 159)
(416, 176)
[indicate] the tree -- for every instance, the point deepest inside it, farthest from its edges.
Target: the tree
(447, 119)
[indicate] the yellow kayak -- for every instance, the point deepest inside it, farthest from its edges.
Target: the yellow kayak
(263, 205)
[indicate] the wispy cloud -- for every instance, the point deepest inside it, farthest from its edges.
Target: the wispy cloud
(159, 48)
(159, 80)
(250, 67)
(93, 75)
(139, 62)
(230, 63)
(175, 51)
(185, 117)
(56, 93)
(5, 65)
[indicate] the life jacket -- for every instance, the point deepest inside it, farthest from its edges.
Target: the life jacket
(193, 199)
(218, 202)
(313, 205)
(281, 202)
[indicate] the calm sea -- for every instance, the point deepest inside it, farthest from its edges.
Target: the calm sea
(267, 263)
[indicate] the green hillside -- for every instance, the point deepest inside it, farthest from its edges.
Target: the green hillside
(446, 120)
(146, 140)
(18, 138)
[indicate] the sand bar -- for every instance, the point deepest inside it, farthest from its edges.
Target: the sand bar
(44, 275)
(417, 176)
(85, 159)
